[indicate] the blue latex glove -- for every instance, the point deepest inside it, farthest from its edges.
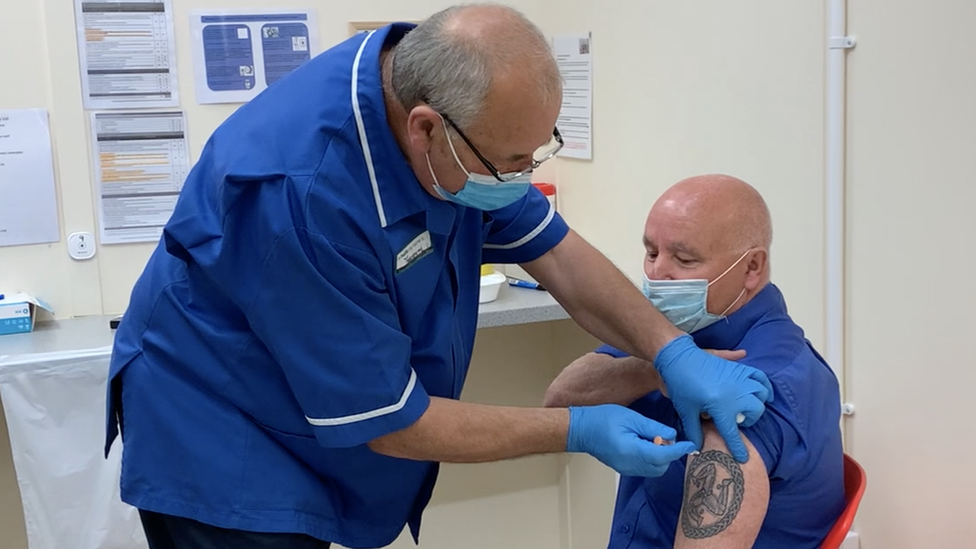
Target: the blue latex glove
(700, 382)
(622, 440)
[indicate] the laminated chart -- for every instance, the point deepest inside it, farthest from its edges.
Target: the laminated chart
(127, 54)
(141, 161)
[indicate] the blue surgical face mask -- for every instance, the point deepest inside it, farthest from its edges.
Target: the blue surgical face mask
(685, 302)
(482, 192)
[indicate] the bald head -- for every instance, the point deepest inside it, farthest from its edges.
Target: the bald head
(712, 227)
(728, 208)
(465, 58)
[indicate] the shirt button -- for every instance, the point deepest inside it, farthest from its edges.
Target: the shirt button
(625, 529)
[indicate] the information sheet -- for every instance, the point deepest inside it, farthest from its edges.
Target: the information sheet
(127, 54)
(575, 122)
(141, 161)
(28, 198)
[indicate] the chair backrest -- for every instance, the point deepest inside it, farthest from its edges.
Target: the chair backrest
(855, 481)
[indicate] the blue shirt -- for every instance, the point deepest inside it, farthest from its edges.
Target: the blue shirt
(798, 437)
(307, 296)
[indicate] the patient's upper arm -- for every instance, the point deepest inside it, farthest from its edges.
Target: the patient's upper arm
(724, 501)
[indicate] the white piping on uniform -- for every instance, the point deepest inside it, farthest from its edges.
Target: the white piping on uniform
(392, 408)
(364, 141)
(525, 239)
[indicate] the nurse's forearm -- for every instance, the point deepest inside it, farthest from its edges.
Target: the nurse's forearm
(461, 432)
(601, 299)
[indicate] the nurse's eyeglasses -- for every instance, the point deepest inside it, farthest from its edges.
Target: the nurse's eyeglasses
(542, 154)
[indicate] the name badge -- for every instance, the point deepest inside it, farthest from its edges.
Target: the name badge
(414, 251)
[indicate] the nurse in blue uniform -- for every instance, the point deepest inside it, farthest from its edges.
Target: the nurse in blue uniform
(288, 369)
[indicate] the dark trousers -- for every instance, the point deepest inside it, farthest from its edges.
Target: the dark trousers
(169, 532)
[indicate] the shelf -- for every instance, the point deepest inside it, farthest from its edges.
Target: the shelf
(514, 306)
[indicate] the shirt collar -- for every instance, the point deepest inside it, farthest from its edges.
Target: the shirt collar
(726, 334)
(396, 190)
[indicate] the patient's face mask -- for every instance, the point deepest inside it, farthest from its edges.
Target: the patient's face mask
(685, 302)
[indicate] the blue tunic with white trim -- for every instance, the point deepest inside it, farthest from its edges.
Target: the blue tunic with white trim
(307, 296)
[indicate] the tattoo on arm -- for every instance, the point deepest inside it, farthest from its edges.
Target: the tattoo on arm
(714, 486)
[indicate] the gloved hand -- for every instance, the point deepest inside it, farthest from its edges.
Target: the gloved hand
(699, 382)
(623, 440)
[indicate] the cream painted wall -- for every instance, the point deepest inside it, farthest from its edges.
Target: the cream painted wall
(684, 88)
(12, 532)
(42, 266)
(911, 261)
(48, 77)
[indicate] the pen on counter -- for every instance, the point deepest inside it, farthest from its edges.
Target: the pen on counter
(1, 297)
(519, 283)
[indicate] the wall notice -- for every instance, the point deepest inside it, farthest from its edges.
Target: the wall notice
(28, 198)
(141, 161)
(127, 54)
(237, 54)
(575, 59)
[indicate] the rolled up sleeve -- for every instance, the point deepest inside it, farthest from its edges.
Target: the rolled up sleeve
(611, 351)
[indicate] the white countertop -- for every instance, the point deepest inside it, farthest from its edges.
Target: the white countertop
(519, 306)
(514, 306)
(56, 336)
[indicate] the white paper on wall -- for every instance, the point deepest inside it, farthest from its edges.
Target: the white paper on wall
(28, 198)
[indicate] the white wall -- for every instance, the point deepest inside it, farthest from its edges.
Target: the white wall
(684, 88)
(912, 160)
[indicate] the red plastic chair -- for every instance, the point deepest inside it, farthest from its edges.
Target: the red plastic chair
(855, 480)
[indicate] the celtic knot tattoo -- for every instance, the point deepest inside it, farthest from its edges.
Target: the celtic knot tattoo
(714, 486)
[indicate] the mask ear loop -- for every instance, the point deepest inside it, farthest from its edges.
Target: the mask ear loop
(734, 302)
(431, 168)
(737, 261)
(450, 143)
(437, 186)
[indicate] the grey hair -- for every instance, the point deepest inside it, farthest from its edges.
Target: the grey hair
(452, 71)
